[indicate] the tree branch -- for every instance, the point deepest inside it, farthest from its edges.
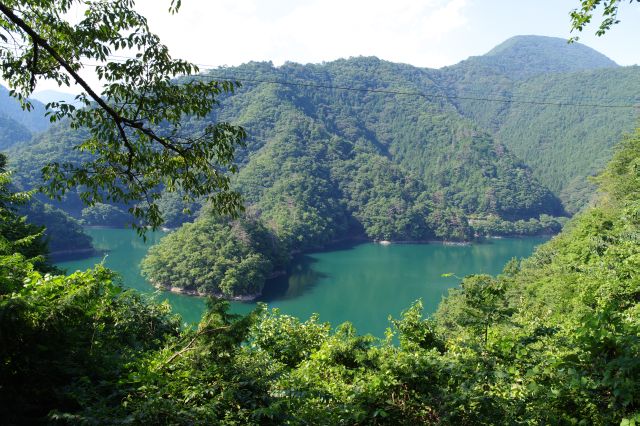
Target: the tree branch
(191, 342)
(117, 118)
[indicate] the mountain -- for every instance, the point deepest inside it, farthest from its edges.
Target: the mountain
(18, 126)
(34, 120)
(450, 162)
(526, 56)
(12, 132)
(322, 165)
(365, 147)
(524, 80)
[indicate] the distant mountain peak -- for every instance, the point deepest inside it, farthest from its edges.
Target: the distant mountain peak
(528, 55)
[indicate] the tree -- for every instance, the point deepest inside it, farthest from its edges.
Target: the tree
(583, 15)
(19, 241)
(136, 140)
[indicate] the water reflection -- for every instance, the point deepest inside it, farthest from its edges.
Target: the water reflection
(300, 279)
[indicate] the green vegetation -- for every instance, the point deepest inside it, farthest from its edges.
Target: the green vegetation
(452, 163)
(64, 235)
(135, 147)
(215, 256)
(552, 340)
(19, 240)
(563, 145)
(12, 132)
(494, 226)
(104, 214)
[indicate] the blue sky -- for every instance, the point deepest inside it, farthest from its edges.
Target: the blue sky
(427, 33)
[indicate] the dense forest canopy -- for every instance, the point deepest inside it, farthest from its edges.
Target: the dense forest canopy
(549, 341)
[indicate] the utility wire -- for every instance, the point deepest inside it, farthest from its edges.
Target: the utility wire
(558, 103)
(410, 93)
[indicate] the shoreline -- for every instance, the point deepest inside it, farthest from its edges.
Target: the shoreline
(331, 245)
(196, 293)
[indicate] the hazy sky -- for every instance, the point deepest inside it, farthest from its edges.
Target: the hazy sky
(428, 33)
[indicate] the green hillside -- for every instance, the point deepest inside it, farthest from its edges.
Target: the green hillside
(347, 148)
(325, 164)
(563, 144)
(525, 56)
(34, 121)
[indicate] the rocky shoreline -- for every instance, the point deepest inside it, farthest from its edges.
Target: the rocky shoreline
(191, 292)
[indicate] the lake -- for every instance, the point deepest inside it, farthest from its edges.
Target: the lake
(362, 283)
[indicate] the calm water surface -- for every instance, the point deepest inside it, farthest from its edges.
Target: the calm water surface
(363, 283)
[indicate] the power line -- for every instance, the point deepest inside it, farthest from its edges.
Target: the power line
(557, 103)
(410, 93)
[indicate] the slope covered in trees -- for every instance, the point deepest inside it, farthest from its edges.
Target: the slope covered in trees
(18, 126)
(552, 340)
(563, 144)
(321, 165)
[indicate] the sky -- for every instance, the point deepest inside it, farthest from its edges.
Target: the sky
(425, 33)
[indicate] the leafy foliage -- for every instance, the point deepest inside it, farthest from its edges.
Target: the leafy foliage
(552, 340)
(135, 138)
(581, 17)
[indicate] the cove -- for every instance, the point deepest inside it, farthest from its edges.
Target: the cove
(363, 283)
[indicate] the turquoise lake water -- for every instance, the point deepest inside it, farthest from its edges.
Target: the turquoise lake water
(361, 283)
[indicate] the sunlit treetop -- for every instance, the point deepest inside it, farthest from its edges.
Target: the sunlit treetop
(133, 118)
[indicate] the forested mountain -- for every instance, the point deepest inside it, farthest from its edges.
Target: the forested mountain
(563, 144)
(454, 163)
(388, 151)
(522, 57)
(324, 164)
(17, 126)
(12, 132)
(34, 120)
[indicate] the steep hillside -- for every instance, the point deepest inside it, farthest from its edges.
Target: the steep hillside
(526, 56)
(331, 163)
(12, 133)
(563, 144)
(17, 126)
(457, 163)
(454, 163)
(526, 77)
